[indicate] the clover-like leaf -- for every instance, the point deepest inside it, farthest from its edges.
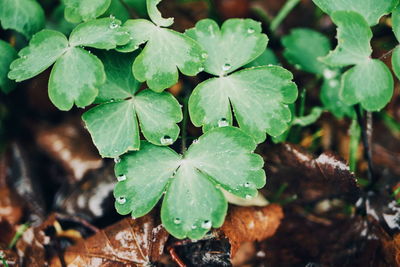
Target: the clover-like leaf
(193, 202)
(24, 16)
(84, 10)
(44, 49)
(75, 79)
(105, 33)
(370, 84)
(354, 36)
(114, 124)
(330, 97)
(158, 64)
(238, 42)
(259, 97)
(303, 47)
(7, 55)
(155, 14)
(371, 10)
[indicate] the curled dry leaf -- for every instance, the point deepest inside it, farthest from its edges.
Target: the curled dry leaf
(130, 242)
(244, 224)
(71, 146)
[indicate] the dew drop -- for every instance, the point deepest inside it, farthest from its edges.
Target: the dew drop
(195, 141)
(113, 25)
(121, 178)
(206, 224)
(121, 200)
(177, 221)
(201, 69)
(204, 55)
(112, 16)
(333, 83)
(329, 74)
(194, 226)
(270, 65)
(24, 57)
(117, 160)
(166, 140)
(223, 122)
(250, 30)
(226, 67)
(247, 184)
(248, 197)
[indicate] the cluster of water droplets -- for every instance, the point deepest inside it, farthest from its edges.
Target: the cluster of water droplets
(205, 224)
(113, 24)
(166, 140)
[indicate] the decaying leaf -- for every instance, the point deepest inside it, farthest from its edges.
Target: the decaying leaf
(130, 242)
(392, 250)
(245, 224)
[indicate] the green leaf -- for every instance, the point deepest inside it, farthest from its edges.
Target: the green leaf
(371, 10)
(58, 22)
(259, 97)
(24, 16)
(7, 55)
(193, 202)
(44, 49)
(266, 58)
(84, 10)
(303, 47)
(308, 119)
(118, 10)
(354, 36)
(238, 42)
(370, 84)
(158, 64)
(75, 78)
(396, 22)
(105, 33)
(114, 125)
(330, 97)
(139, 6)
(155, 15)
(396, 61)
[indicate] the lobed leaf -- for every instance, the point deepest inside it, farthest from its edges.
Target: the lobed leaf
(75, 79)
(7, 55)
(105, 33)
(371, 10)
(396, 61)
(24, 16)
(84, 10)
(259, 97)
(330, 97)
(44, 49)
(354, 36)
(303, 47)
(238, 42)
(193, 202)
(158, 64)
(370, 84)
(155, 14)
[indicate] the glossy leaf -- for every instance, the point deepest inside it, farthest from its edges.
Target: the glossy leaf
(158, 64)
(114, 124)
(84, 10)
(303, 47)
(259, 97)
(193, 202)
(371, 10)
(105, 33)
(155, 14)
(238, 42)
(370, 84)
(75, 78)
(354, 36)
(24, 16)
(44, 49)
(7, 55)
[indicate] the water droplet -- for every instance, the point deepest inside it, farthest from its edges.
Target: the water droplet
(226, 67)
(121, 200)
(135, 47)
(121, 178)
(194, 226)
(223, 122)
(112, 16)
(24, 57)
(117, 160)
(113, 25)
(247, 184)
(204, 55)
(329, 74)
(333, 83)
(248, 197)
(206, 224)
(177, 221)
(250, 30)
(195, 141)
(166, 140)
(201, 69)
(270, 65)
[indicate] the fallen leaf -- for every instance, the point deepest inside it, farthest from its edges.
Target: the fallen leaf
(130, 242)
(392, 250)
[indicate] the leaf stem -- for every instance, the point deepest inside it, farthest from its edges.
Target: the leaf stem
(285, 10)
(354, 141)
(366, 133)
(18, 234)
(184, 123)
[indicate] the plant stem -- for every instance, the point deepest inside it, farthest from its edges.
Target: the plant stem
(184, 123)
(366, 133)
(285, 10)
(18, 234)
(354, 141)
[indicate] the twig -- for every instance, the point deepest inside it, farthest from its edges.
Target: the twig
(285, 10)
(387, 53)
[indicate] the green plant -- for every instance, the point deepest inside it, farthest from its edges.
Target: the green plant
(246, 88)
